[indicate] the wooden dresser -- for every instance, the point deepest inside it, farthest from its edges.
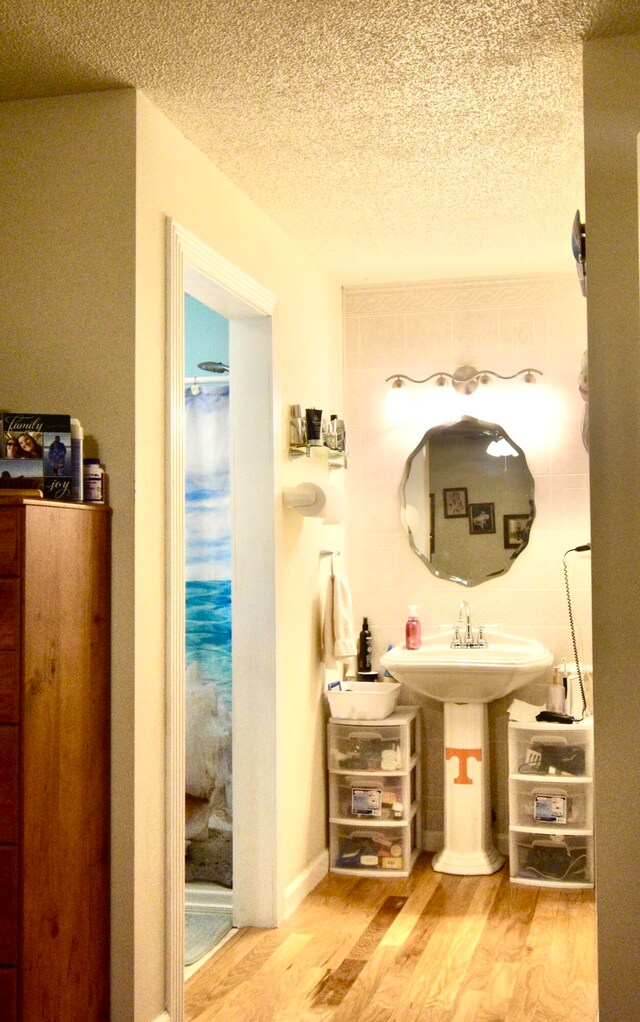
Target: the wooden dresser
(54, 761)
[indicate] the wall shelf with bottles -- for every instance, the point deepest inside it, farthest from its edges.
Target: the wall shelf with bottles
(313, 433)
(334, 459)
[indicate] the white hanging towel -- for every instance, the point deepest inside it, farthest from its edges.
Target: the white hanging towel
(344, 640)
(327, 628)
(338, 640)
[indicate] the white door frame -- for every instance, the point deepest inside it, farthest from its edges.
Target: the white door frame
(249, 307)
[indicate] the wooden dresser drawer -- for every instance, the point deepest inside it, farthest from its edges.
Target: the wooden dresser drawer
(8, 995)
(8, 905)
(8, 784)
(9, 613)
(9, 541)
(9, 687)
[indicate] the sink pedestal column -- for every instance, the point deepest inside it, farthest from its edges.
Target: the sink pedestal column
(468, 846)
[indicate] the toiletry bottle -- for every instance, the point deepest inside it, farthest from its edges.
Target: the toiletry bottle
(314, 427)
(413, 629)
(77, 462)
(364, 648)
(297, 427)
(341, 436)
(555, 695)
(331, 438)
(93, 481)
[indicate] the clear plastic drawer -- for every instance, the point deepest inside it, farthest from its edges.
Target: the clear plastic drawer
(557, 750)
(553, 860)
(383, 749)
(385, 798)
(552, 803)
(382, 849)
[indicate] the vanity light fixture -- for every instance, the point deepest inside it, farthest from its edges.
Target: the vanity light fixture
(465, 379)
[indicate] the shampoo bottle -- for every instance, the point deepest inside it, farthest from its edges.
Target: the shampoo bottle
(364, 648)
(413, 630)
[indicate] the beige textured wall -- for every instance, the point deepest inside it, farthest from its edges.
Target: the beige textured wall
(503, 324)
(612, 123)
(67, 319)
(86, 184)
(175, 179)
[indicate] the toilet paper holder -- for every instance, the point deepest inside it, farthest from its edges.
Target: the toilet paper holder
(314, 501)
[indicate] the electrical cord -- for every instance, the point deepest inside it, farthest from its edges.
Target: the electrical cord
(575, 550)
(576, 866)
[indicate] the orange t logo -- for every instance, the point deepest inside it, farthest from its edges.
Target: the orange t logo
(463, 755)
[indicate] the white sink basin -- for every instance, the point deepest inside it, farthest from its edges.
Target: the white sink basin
(463, 675)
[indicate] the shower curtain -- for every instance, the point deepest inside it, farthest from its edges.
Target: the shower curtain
(208, 634)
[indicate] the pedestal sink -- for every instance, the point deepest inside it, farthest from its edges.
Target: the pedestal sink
(466, 679)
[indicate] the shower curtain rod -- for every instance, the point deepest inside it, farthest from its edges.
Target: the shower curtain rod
(192, 381)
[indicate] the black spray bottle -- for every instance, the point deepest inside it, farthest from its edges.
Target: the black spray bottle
(364, 648)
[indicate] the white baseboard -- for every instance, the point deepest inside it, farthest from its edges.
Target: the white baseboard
(304, 883)
(164, 1017)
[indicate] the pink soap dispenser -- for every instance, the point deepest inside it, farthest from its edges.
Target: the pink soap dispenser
(413, 630)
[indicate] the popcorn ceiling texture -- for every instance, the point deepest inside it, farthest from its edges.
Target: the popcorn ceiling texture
(393, 139)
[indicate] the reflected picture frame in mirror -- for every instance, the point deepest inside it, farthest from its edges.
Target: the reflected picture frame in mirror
(467, 501)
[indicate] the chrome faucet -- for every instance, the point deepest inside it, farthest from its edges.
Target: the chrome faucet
(464, 610)
(466, 639)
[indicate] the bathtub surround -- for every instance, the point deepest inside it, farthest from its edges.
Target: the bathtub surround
(418, 329)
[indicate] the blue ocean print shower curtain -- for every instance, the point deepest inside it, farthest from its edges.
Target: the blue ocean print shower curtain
(208, 633)
(208, 534)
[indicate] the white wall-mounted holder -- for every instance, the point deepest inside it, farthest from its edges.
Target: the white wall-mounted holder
(315, 501)
(335, 459)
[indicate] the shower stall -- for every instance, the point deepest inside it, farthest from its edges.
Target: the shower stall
(208, 631)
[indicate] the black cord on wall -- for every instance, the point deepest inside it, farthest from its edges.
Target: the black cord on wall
(575, 550)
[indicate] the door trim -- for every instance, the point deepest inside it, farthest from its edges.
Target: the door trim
(246, 304)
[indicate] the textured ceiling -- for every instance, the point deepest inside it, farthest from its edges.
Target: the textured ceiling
(393, 139)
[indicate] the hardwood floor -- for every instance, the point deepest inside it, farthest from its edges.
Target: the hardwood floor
(431, 947)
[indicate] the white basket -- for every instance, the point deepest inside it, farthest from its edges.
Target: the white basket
(364, 700)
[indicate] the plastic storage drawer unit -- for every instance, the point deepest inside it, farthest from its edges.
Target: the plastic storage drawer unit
(374, 794)
(551, 840)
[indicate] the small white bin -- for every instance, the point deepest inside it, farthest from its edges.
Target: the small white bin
(364, 700)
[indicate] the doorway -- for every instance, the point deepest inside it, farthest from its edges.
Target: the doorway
(208, 634)
(249, 310)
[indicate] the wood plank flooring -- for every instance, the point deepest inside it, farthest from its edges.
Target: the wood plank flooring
(428, 948)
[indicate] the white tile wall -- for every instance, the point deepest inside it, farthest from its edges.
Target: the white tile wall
(503, 324)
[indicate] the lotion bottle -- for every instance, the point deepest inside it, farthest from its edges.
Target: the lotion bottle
(413, 629)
